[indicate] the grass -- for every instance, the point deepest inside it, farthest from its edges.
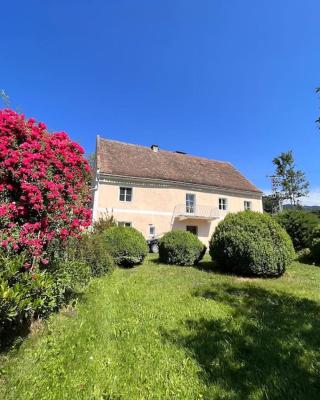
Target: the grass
(164, 332)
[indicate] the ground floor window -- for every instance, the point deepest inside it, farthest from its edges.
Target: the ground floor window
(152, 230)
(193, 229)
(124, 223)
(247, 205)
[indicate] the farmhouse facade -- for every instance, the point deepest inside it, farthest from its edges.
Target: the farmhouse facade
(156, 191)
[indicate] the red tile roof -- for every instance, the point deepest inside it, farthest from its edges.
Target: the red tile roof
(123, 159)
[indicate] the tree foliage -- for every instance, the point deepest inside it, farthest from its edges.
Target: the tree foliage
(288, 183)
(102, 224)
(300, 225)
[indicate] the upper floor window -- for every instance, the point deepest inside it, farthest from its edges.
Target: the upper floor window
(247, 205)
(223, 203)
(124, 223)
(190, 203)
(125, 194)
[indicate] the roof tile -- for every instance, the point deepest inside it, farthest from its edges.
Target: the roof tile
(123, 159)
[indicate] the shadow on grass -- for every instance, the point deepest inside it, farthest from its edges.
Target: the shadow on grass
(154, 260)
(306, 259)
(208, 266)
(267, 348)
(203, 265)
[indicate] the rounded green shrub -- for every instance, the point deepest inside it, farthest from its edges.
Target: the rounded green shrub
(95, 253)
(299, 225)
(251, 244)
(181, 248)
(126, 245)
(90, 249)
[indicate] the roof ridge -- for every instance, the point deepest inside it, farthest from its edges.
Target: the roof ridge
(167, 151)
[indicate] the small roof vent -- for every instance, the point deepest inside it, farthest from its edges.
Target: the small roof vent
(155, 148)
(180, 152)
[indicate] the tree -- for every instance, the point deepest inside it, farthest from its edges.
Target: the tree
(91, 158)
(271, 204)
(287, 182)
(44, 187)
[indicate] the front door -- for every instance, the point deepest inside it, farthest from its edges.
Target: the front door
(193, 229)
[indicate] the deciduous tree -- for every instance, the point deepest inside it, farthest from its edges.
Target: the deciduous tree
(288, 183)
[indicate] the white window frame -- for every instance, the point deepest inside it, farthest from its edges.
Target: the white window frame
(247, 205)
(223, 204)
(125, 223)
(126, 188)
(190, 208)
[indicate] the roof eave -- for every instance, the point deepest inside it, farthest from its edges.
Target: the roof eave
(158, 181)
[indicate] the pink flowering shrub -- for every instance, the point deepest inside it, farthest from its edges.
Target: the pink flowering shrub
(44, 187)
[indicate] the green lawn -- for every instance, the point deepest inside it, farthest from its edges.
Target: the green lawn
(164, 332)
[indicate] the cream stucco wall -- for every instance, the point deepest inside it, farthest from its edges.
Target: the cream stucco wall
(154, 204)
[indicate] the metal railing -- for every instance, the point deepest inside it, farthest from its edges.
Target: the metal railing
(195, 211)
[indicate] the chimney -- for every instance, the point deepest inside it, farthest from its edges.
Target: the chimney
(155, 148)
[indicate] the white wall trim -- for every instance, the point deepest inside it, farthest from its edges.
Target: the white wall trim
(132, 211)
(159, 183)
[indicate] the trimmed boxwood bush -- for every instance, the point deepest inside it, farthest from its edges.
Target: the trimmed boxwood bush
(127, 246)
(251, 244)
(299, 225)
(90, 249)
(180, 248)
(95, 253)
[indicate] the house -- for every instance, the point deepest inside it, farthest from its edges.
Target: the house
(156, 190)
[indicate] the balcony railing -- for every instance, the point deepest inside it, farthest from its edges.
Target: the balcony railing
(183, 211)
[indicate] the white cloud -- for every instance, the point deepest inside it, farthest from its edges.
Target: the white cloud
(313, 198)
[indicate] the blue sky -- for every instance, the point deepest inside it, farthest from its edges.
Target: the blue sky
(231, 80)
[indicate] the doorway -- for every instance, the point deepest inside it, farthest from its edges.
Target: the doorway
(192, 229)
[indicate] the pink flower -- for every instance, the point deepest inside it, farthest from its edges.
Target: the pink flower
(52, 178)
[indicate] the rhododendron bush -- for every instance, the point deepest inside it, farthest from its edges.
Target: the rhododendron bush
(44, 187)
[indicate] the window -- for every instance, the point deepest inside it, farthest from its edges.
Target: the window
(247, 205)
(124, 223)
(192, 228)
(190, 203)
(125, 194)
(152, 230)
(223, 204)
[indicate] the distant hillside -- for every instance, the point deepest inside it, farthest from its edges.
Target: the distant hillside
(306, 208)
